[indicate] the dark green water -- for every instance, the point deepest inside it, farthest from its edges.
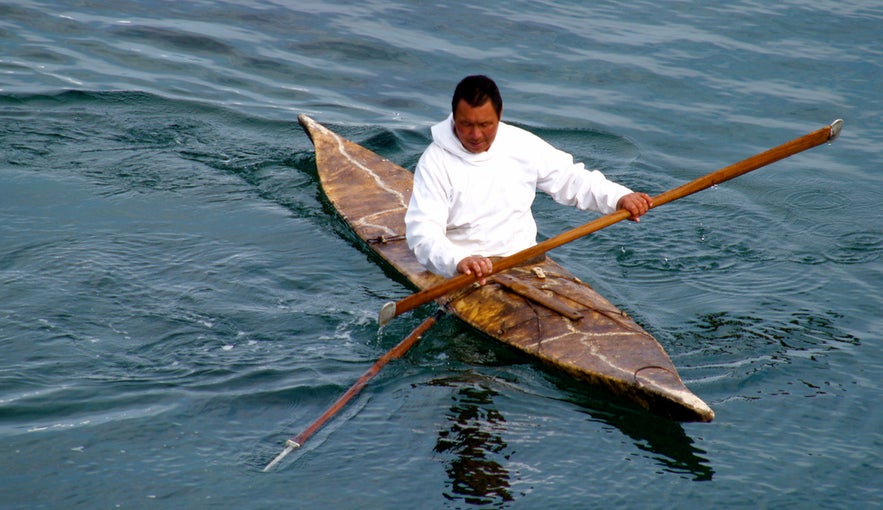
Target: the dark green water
(176, 299)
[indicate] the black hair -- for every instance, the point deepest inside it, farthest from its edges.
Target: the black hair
(476, 90)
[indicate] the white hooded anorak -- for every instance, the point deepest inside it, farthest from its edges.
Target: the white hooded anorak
(467, 204)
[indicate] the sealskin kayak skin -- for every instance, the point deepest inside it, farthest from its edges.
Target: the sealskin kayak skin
(539, 308)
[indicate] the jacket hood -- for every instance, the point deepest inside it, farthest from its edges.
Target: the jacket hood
(443, 135)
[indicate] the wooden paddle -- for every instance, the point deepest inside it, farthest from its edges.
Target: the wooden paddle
(828, 133)
(396, 352)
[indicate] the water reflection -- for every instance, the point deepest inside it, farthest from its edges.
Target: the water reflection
(471, 446)
(476, 456)
(664, 440)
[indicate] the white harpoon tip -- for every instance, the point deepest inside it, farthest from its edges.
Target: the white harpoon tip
(290, 446)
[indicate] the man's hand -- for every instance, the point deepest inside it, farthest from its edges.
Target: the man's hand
(476, 265)
(635, 203)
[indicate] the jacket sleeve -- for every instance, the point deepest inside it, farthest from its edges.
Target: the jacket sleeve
(427, 217)
(570, 183)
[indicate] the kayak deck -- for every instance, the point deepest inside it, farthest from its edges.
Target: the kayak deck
(539, 308)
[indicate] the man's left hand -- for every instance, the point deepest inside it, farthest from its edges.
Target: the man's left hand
(635, 203)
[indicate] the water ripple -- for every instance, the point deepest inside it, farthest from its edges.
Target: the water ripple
(765, 278)
(748, 347)
(857, 248)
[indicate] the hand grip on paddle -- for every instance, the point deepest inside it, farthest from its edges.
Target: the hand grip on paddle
(826, 134)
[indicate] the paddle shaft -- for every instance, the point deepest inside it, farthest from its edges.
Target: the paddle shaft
(396, 352)
(800, 144)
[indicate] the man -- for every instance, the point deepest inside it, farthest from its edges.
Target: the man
(474, 186)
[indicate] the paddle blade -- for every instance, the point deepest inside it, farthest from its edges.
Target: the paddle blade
(387, 313)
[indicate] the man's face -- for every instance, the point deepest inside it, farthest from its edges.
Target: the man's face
(476, 126)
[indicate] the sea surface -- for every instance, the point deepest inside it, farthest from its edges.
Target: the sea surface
(177, 299)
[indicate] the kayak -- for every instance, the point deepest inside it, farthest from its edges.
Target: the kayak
(538, 308)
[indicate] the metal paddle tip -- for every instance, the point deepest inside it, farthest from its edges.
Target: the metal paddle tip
(387, 313)
(836, 126)
(290, 446)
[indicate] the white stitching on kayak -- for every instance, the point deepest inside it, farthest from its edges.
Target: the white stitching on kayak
(377, 179)
(341, 148)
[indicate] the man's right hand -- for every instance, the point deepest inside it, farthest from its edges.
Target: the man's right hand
(476, 265)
